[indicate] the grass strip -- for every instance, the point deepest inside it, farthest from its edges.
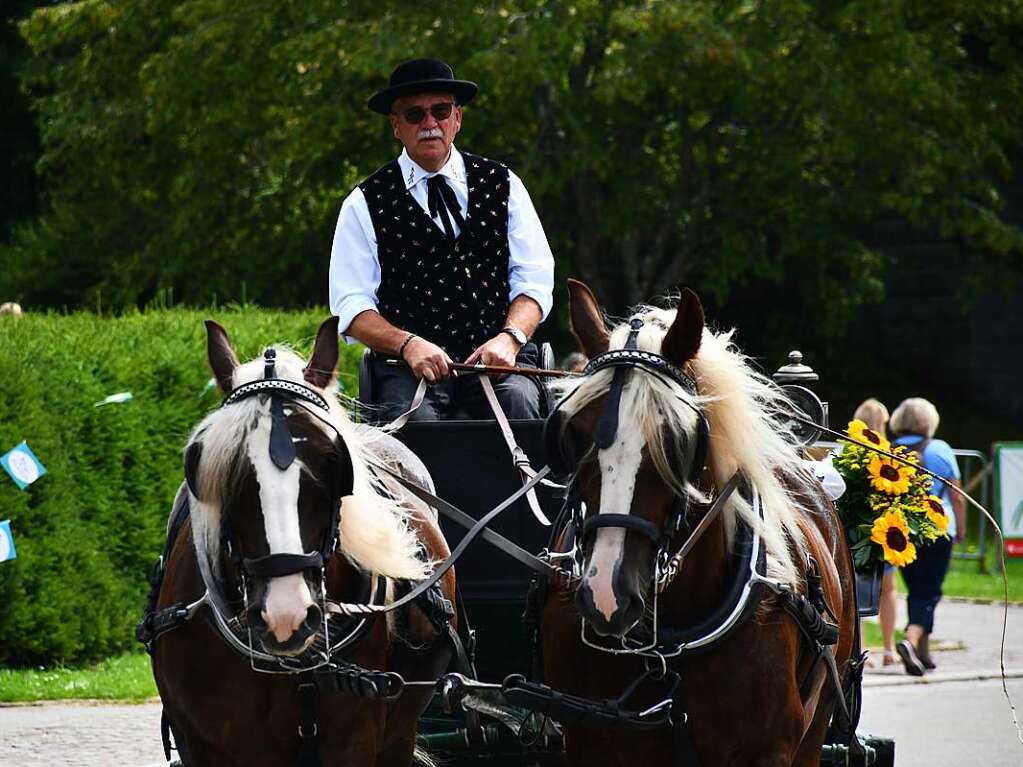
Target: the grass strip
(124, 677)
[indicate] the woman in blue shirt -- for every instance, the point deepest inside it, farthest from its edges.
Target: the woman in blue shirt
(913, 424)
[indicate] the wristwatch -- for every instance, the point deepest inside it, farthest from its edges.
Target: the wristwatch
(517, 334)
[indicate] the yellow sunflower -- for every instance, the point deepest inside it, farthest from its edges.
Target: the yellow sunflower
(891, 532)
(889, 477)
(860, 432)
(936, 513)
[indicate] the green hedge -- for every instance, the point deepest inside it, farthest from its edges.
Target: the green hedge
(88, 531)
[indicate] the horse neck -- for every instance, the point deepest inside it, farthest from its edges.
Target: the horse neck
(701, 581)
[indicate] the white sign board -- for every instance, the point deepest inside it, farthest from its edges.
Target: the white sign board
(1009, 493)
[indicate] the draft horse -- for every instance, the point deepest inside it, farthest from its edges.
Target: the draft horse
(710, 570)
(281, 520)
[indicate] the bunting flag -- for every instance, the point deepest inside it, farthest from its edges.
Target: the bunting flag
(114, 399)
(6, 541)
(23, 466)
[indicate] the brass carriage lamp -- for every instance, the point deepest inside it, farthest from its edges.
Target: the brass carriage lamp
(793, 379)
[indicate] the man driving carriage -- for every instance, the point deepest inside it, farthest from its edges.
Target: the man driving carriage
(440, 256)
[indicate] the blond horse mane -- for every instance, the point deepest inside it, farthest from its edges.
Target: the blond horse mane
(740, 405)
(374, 530)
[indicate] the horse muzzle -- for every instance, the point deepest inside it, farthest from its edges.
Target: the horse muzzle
(285, 618)
(613, 616)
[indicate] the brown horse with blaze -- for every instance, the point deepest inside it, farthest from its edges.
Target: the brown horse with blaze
(758, 693)
(286, 522)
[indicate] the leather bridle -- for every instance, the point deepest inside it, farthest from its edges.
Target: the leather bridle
(282, 454)
(668, 558)
(622, 362)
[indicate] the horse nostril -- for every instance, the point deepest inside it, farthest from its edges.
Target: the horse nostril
(633, 611)
(313, 618)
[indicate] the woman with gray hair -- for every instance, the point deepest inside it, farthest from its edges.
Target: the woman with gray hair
(913, 424)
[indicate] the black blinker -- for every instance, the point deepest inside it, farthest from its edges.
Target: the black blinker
(192, 457)
(344, 471)
(557, 457)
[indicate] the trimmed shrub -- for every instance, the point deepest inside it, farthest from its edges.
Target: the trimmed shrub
(88, 531)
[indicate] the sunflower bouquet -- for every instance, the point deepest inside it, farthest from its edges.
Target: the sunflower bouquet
(887, 508)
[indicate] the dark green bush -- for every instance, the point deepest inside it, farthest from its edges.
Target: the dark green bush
(88, 531)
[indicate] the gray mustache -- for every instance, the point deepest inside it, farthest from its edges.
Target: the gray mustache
(430, 133)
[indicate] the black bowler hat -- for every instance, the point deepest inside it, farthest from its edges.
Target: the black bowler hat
(421, 76)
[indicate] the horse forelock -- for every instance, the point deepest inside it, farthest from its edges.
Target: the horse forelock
(375, 534)
(740, 406)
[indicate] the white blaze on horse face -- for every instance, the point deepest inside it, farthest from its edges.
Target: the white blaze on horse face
(619, 467)
(287, 597)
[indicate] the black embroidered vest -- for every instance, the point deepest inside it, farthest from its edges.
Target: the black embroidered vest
(453, 293)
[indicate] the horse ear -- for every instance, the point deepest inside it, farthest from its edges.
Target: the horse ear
(223, 360)
(682, 341)
(320, 369)
(587, 320)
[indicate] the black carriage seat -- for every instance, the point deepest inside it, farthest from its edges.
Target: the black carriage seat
(367, 394)
(492, 586)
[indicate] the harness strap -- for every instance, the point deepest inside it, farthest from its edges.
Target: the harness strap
(574, 709)
(807, 618)
(629, 521)
(165, 734)
(157, 623)
(308, 728)
(683, 750)
(519, 457)
(479, 527)
(475, 527)
(713, 512)
(607, 425)
(417, 400)
(276, 565)
(361, 682)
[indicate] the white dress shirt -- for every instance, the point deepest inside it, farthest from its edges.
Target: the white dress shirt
(355, 266)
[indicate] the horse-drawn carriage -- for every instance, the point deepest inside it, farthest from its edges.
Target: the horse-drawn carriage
(495, 586)
(707, 635)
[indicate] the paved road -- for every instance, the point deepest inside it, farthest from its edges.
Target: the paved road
(955, 716)
(958, 724)
(86, 736)
(975, 633)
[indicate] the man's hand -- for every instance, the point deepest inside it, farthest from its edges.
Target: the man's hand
(499, 350)
(426, 360)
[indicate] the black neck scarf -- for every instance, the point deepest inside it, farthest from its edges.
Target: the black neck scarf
(442, 201)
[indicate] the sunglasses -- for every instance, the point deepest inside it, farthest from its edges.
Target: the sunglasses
(415, 115)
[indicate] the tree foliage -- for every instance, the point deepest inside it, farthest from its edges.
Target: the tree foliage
(741, 147)
(19, 145)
